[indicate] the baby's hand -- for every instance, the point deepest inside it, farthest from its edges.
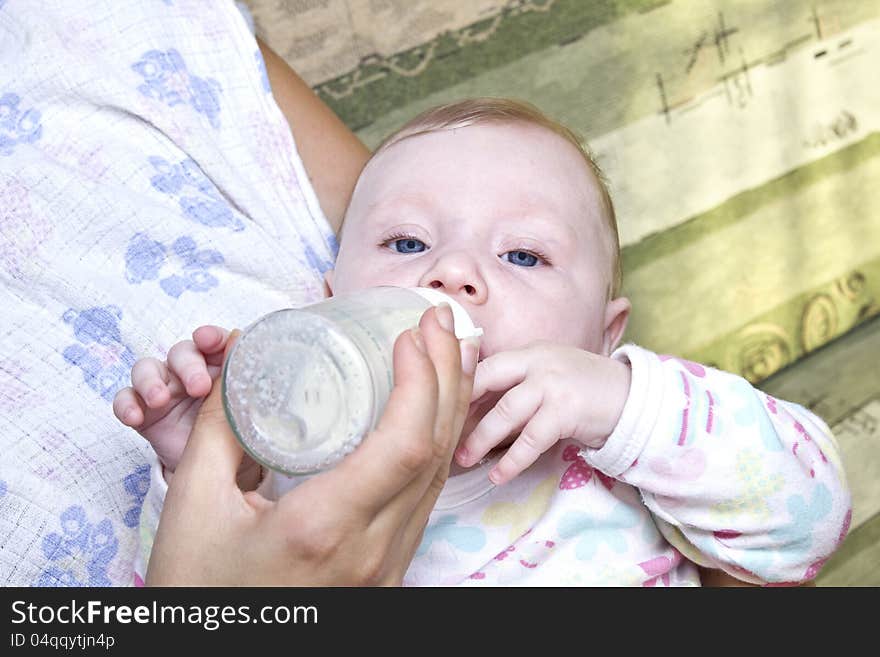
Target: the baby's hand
(551, 392)
(165, 397)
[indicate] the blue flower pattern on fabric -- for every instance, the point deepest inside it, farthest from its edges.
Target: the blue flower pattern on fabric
(755, 412)
(104, 360)
(136, 484)
(207, 207)
(17, 126)
(334, 245)
(81, 553)
(467, 539)
(3, 488)
(798, 534)
(795, 538)
(317, 262)
(145, 258)
(167, 79)
(593, 532)
(194, 275)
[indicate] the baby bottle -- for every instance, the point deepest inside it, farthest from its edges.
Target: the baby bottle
(303, 386)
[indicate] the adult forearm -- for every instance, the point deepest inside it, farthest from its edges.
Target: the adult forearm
(332, 154)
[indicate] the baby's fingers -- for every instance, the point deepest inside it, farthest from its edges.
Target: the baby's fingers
(508, 416)
(128, 409)
(188, 364)
(501, 372)
(211, 341)
(537, 437)
(150, 379)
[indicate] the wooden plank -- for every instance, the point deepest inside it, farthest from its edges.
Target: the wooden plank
(835, 380)
(859, 438)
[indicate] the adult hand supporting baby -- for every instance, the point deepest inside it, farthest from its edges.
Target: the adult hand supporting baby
(357, 524)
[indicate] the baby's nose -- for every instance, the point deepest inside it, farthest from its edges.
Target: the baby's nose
(458, 277)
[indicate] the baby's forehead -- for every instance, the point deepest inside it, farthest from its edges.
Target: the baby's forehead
(496, 146)
(519, 166)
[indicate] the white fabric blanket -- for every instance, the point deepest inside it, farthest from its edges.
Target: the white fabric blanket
(148, 184)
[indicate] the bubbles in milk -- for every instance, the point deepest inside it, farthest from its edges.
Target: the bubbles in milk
(303, 386)
(295, 393)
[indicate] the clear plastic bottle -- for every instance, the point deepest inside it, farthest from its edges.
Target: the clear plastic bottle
(303, 386)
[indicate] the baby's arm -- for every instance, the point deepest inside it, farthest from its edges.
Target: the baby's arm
(162, 404)
(164, 396)
(737, 480)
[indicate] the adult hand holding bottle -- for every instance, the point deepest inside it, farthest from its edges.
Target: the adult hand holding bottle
(357, 524)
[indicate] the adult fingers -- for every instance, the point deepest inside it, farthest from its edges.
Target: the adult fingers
(399, 525)
(212, 454)
(436, 326)
(414, 434)
(375, 489)
(203, 506)
(445, 352)
(187, 362)
(396, 452)
(418, 518)
(443, 348)
(470, 352)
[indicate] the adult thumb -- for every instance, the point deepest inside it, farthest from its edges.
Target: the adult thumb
(212, 454)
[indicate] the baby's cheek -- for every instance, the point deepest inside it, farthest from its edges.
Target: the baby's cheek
(396, 276)
(546, 327)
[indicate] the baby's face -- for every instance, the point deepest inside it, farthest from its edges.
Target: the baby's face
(505, 218)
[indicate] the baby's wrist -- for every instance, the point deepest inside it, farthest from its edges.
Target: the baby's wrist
(617, 385)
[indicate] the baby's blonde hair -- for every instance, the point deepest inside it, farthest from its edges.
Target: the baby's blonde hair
(506, 110)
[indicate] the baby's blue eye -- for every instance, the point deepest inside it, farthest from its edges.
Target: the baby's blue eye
(408, 245)
(522, 258)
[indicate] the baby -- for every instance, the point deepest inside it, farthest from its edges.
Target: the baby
(580, 463)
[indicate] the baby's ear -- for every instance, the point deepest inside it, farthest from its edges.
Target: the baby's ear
(328, 282)
(616, 317)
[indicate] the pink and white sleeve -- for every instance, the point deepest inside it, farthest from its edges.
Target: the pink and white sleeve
(735, 479)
